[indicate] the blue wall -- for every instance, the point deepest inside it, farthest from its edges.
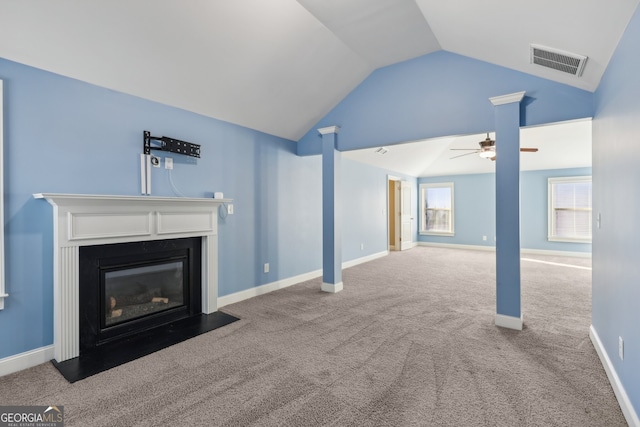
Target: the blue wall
(441, 94)
(474, 203)
(66, 136)
(616, 245)
(364, 204)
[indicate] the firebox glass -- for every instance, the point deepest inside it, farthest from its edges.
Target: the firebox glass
(136, 292)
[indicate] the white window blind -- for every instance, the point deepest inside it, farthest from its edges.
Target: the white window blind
(436, 213)
(570, 212)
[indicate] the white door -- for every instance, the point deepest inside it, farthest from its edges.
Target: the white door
(406, 216)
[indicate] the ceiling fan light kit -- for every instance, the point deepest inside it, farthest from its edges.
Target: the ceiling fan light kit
(487, 149)
(487, 154)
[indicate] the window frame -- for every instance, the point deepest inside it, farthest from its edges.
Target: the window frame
(551, 223)
(423, 188)
(3, 295)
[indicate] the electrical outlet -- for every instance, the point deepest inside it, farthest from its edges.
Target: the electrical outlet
(168, 163)
(230, 209)
(621, 348)
(484, 238)
(155, 161)
(266, 267)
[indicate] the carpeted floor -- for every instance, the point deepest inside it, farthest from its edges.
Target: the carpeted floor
(409, 341)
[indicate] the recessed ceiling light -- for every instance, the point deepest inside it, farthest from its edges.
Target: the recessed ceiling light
(382, 150)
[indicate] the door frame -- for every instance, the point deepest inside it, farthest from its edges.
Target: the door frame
(393, 212)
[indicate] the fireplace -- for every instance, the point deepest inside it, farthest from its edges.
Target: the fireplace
(129, 288)
(83, 221)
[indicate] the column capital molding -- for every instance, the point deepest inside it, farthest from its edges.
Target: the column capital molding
(507, 99)
(328, 130)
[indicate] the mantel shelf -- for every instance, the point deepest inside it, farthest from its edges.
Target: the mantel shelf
(62, 197)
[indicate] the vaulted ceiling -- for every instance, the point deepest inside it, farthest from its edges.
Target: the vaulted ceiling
(560, 146)
(278, 66)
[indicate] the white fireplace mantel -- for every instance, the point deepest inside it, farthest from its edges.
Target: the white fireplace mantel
(84, 220)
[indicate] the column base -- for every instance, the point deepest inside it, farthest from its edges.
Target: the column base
(331, 287)
(509, 322)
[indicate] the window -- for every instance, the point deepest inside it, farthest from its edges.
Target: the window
(436, 209)
(3, 295)
(570, 215)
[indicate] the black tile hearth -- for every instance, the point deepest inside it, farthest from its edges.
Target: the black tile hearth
(125, 350)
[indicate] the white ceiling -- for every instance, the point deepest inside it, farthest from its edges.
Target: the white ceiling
(279, 66)
(560, 145)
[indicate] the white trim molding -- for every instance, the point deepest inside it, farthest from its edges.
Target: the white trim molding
(328, 130)
(509, 322)
(285, 283)
(621, 394)
(555, 253)
(3, 294)
(267, 288)
(84, 220)
(332, 288)
(25, 360)
(507, 99)
(457, 246)
(493, 249)
(364, 259)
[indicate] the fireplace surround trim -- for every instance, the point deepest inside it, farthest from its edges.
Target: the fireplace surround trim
(85, 219)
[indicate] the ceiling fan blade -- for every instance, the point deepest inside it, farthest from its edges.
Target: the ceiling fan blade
(529, 150)
(465, 154)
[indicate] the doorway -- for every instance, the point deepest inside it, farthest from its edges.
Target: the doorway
(399, 214)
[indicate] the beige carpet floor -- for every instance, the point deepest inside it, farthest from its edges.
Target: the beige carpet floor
(410, 341)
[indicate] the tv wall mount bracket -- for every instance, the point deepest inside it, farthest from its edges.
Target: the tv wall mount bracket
(171, 145)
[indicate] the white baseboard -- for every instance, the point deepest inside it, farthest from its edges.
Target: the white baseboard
(509, 322)
(25, 360)
(621, 394)
(364, 259)
(457, 246)
(266, 288)
(493, 249)
(555, 253)
(284, 283)
(332, 288)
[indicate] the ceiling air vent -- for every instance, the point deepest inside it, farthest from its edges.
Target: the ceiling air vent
(558, 59)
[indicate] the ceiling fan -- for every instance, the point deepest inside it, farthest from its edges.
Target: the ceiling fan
(487, 149)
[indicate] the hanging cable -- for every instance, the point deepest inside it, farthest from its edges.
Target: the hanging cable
(223, 211)
(173, 185)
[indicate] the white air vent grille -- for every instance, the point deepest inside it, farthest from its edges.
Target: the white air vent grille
(558, 60)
